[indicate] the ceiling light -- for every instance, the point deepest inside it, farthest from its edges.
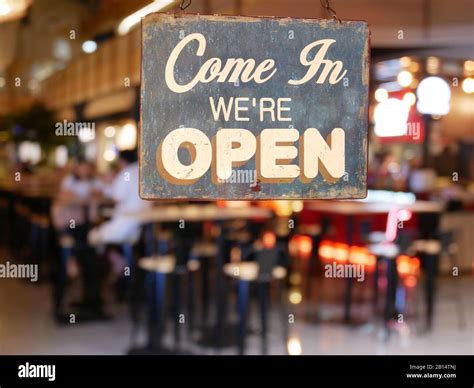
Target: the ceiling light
(109, 155)
(432, 65)
(5, 9)
(109, 131)
(126, 24)
(405, 78)
(127, 137)
(390, 118)
(433, 95)
(381, 94)
(89, 46)
(13, 9)
(409, 99)
(469, 66)
(405, 61)
(468, 85)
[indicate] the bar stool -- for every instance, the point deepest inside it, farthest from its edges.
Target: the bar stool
(262, 272)
(158, 269)
(66, 244)
(429, 252)
(224, 248)
(4, 213)
(39, 236)
(315, 232)
(450, 249)
(386, 252)
(125, 283)
(204, 252)
(21, 227)
(373, 239)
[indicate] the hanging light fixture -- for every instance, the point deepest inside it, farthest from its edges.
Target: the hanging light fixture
(13, 9)
(381, 94)
(405, 78)
(409, 98)
(391, 118)
(468, 85)
(433, 95)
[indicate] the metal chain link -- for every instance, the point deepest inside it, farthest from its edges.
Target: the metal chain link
(185, 4)
(325, 4)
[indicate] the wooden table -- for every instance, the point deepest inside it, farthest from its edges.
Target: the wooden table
(351, 208)
(194, 213)
(360, 207)
(190, 213)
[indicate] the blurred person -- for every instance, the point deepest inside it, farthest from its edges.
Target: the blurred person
(72, 210)
(72, 215)
(124, 192)
(120, 229)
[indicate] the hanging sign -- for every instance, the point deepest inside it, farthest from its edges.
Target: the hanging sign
(253, 108)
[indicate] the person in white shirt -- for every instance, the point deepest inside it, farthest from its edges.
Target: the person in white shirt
(72, 214)
(124, 191)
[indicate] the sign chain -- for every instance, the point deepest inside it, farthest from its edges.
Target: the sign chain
(185, 4)
(325, 4)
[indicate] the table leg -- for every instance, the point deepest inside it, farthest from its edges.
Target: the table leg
(349, 280)
(149, 239)
(223, 255)
(177, 308)
(391, 290)
(430, 265)
(243, 301)
(264, 299)
(376, 285)
(205, 290)
(157, 309)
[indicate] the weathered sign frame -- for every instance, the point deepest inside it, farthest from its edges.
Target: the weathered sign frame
(357, 187)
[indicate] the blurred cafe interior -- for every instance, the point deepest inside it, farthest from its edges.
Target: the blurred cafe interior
(105, 272)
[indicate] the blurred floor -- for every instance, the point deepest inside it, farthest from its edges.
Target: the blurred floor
(27, 327)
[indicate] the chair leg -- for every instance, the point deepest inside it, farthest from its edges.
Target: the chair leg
(375, 300)
(243, 301)
(391, 290)
(191, 300)
(205, 290)
(221, 308)
(35, 240)
(177, 308)
(458, 297)
(127, 250)
(157, 316)
(264, 302)
(149, 240)
(61, 281)
(283, 306)
(151, 286)
(430, 265)
(44, 244)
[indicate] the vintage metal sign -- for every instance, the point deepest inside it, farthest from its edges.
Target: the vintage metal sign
(253, 108)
